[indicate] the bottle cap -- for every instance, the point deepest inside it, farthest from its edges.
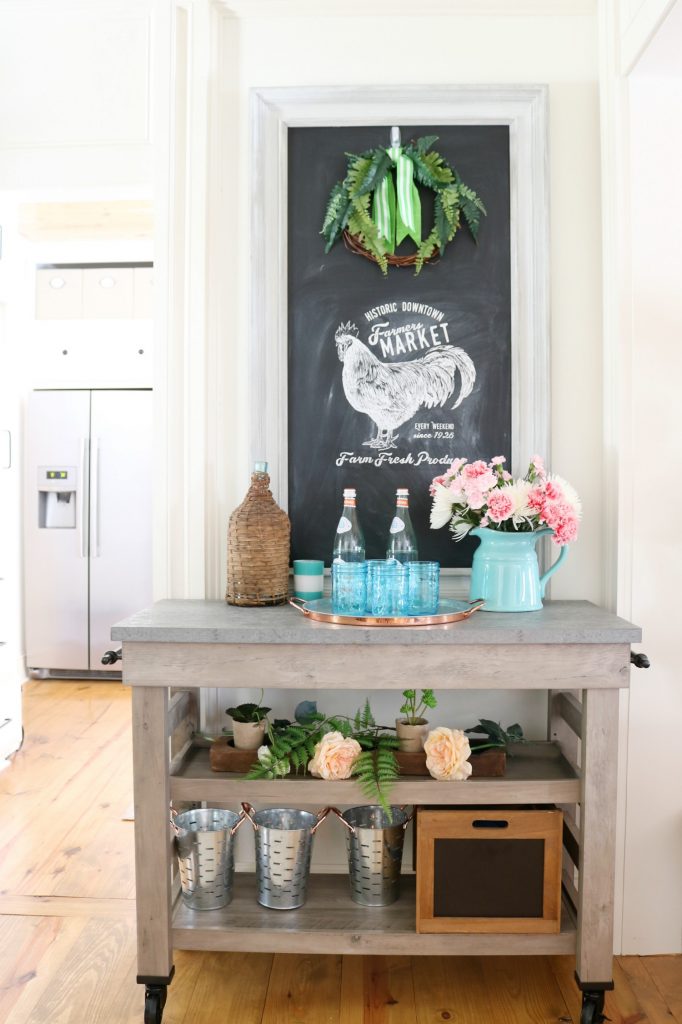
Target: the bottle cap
(403, 491)
(349, 492)
(260, 467)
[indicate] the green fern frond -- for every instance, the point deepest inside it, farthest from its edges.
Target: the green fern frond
(426, 250)
(361, 224)
(373, 172)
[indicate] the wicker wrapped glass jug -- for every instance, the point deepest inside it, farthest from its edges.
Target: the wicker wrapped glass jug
(258, 538)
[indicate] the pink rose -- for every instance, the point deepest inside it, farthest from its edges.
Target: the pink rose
(500, 506)
(334, 758)
(447, 754)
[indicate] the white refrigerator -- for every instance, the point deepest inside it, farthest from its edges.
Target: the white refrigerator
(87, 523)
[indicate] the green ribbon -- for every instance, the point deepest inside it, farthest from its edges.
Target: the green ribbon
(396, 209)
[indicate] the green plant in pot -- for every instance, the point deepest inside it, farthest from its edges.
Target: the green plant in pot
(413, 727)
(488, 735)
(249, 723)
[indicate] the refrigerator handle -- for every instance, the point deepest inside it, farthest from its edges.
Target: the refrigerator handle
(82, 504)
(94, 498)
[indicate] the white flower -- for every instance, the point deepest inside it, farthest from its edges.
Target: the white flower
(518, 491)
(279, 768)
(460, 528)
(441, 510)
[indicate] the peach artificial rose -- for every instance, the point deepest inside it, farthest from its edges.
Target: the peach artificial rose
(447, 754)
(334, 757)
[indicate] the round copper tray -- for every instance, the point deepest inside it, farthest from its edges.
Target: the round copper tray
(448, 611)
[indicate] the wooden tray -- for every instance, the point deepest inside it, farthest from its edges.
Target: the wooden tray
(488, 764)
(223, 756)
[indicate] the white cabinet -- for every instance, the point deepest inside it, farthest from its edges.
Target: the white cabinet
(108, 293)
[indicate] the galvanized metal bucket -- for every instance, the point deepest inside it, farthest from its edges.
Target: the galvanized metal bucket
(375, 852)
(284, 842)
(205, 849)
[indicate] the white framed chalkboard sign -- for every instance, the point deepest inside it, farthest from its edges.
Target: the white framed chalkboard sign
(487, 301)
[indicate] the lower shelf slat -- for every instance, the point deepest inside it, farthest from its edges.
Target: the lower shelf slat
(331, 923)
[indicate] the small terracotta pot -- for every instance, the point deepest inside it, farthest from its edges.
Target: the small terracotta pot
(411, 736)
(248, 735)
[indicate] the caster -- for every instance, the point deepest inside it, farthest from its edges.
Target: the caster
(154, 1002)
(593, 1008)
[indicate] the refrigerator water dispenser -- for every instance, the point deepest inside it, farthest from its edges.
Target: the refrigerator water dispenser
(57, 498)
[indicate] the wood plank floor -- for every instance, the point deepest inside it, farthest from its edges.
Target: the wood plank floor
(67, 924)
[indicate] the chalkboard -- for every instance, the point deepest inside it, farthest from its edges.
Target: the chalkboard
(462, 303)
(488, 877)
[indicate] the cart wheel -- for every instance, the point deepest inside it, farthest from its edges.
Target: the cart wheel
(593, 1008)
(154, 1002)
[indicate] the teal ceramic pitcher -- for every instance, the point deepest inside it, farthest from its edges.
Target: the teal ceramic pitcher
(505, 571)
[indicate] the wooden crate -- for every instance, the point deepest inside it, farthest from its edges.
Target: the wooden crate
(488, 870)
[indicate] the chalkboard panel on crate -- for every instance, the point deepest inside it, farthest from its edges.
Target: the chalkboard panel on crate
(489, 870)
(463, 301)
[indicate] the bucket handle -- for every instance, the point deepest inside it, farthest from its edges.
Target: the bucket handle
(339, 815)
(409, 817)
(351, 828)
(249, 814)
(321, 815)
(235, 828)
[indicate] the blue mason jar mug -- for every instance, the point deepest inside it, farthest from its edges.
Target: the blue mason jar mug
(386, 588)
(423, 587)
(349, 588)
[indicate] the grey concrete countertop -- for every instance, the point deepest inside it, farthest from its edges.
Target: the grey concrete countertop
(214, 622)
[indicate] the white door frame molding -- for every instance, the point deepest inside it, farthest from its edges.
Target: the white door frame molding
(273, 111)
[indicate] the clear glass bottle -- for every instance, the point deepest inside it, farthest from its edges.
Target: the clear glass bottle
(349, 543)
(402, 543)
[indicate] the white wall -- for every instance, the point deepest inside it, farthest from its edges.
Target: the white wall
(75, 93)
(652, 919)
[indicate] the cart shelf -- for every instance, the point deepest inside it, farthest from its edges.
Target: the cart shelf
(537, 774)
(331, 923)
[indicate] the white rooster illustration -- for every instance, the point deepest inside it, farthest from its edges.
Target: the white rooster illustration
(391, 393)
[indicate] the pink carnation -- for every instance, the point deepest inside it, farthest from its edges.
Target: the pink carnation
(497, 460)
(476, 469)
(437, 481)
(500, 506)
(538, 465)
(475, 495)
(455, 467)
(567, 531)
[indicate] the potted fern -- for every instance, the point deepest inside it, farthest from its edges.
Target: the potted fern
(332, 747)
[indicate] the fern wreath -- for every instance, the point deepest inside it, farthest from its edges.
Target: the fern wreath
(376, 206)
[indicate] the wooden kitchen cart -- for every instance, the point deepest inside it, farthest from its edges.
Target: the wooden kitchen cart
(574, 650)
